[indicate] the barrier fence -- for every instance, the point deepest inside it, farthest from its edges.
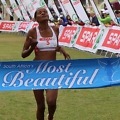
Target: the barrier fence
(87, 38)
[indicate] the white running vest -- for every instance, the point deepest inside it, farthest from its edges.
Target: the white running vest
(46, 43)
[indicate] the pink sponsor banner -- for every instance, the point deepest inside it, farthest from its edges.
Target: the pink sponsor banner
(67, 35)
(87, 38)
(111, 40)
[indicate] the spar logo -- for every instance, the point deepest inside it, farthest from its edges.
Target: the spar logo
(67, 34)
(112, 39)
(7, 25)
(87, 37)
(23, 26)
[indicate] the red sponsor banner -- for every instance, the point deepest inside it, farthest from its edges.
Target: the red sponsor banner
(112, 39)
(23, 26)
(7, 25)
(67, 34)
(87, 37)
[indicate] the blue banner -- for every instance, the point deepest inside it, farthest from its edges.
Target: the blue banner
(60, 74)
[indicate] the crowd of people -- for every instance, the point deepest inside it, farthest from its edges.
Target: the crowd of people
(105, 19)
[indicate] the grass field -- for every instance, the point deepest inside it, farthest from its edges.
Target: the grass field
(73, 104)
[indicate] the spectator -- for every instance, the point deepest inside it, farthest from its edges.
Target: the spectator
(117, 14)
(94, 19)
(107, 19)
(69, 20)
(62, 20)
(101, 13)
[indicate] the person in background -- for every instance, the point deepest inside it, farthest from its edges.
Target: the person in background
(69, 20)
(43, 40)
(107, 19)
(101, 13)
(94, 19)
(62, 20)
(117, 14)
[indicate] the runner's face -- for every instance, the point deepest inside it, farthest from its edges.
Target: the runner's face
(42, 15)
